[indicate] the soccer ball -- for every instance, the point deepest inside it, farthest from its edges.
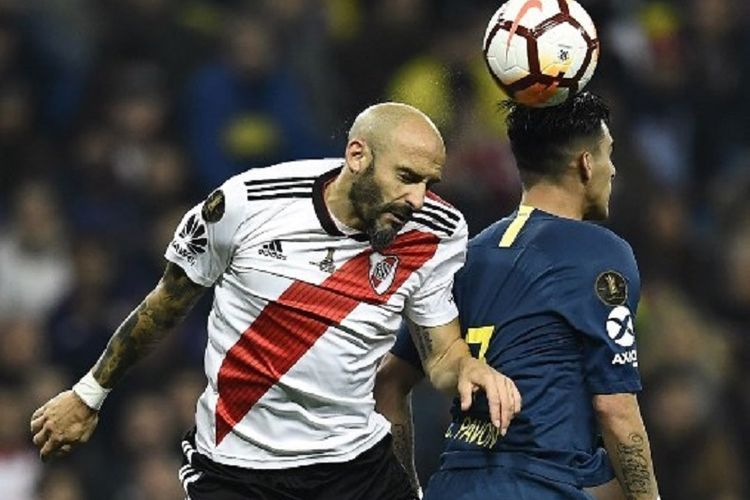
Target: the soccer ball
(540, 52)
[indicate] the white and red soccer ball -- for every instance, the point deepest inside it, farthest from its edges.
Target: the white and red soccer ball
(540, 52)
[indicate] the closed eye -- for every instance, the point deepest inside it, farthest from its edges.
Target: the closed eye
(408, 176)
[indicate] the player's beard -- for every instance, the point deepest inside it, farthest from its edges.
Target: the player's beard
(367, 200)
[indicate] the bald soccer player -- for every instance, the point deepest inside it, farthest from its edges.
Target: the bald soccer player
(313, 264)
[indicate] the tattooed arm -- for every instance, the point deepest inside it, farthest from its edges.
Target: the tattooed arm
(451, 368)
(65, 421)
(627, 444)
(393, 385)
(162, 309)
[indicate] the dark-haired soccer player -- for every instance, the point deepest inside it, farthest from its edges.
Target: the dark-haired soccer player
(549, 300)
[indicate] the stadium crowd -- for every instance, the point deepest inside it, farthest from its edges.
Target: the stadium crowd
(117, 115)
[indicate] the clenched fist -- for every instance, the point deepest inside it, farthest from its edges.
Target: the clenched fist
(62, 423)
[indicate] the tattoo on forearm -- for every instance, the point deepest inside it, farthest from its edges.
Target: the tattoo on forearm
(402, 443)
(403, 448)
(635, 466)
(148, 324)
(423, 341)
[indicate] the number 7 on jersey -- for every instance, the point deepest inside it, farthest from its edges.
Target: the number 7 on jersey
(480, 335)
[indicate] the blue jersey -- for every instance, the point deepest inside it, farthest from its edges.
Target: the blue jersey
(549, 302)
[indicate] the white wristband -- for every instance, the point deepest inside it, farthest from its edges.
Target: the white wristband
(89, 390)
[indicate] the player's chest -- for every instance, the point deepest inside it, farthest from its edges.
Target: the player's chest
(310, 265)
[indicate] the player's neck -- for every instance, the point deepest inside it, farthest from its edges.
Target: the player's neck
(553, 199)
(336, 197)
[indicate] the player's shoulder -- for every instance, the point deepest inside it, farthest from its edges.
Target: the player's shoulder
(490, 236)
(265, 189)
(439, 217)
(292, 170)
(579, 254)
(581, 243)
(588, 238)
(289, 172)
(281, 182)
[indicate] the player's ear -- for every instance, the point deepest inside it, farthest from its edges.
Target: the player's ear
(356, 155)
(585, 166)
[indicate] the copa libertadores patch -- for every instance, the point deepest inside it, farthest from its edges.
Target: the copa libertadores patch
(612, 288)
(213, 207)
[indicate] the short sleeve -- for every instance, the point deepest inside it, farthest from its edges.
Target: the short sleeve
(599, 298)
(404, 348)
(205, 240)
(432, 304)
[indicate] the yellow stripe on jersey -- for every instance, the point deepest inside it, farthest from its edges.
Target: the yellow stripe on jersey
(515, 227)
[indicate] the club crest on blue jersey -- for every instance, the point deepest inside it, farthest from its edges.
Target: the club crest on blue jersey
(611, 288)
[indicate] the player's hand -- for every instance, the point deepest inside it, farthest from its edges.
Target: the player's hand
(503, 397)
(62, 423)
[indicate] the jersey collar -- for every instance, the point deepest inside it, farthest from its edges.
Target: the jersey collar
(321, 210)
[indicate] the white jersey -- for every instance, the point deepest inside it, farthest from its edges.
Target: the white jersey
(303, 311)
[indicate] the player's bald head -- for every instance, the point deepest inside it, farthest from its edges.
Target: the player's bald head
(383, 124)
(393, 155)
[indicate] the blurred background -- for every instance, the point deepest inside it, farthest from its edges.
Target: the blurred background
(117, 115)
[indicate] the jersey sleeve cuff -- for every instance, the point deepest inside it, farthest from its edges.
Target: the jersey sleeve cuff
(437, 319)
(632, 386)
(190, 271)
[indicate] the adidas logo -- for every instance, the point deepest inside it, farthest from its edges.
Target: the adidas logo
(272, 249)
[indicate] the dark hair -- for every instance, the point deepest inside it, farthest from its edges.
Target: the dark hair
(542, 138)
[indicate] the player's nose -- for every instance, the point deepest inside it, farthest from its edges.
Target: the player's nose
(415, 195)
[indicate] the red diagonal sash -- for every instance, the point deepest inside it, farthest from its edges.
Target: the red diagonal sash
(286, 328)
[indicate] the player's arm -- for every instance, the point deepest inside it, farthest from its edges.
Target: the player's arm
(200, 251)
(449, 365)
(161, 311)
(627, 444)
(432, 317)
(66, 420)
(598, 294)
(393, 384)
